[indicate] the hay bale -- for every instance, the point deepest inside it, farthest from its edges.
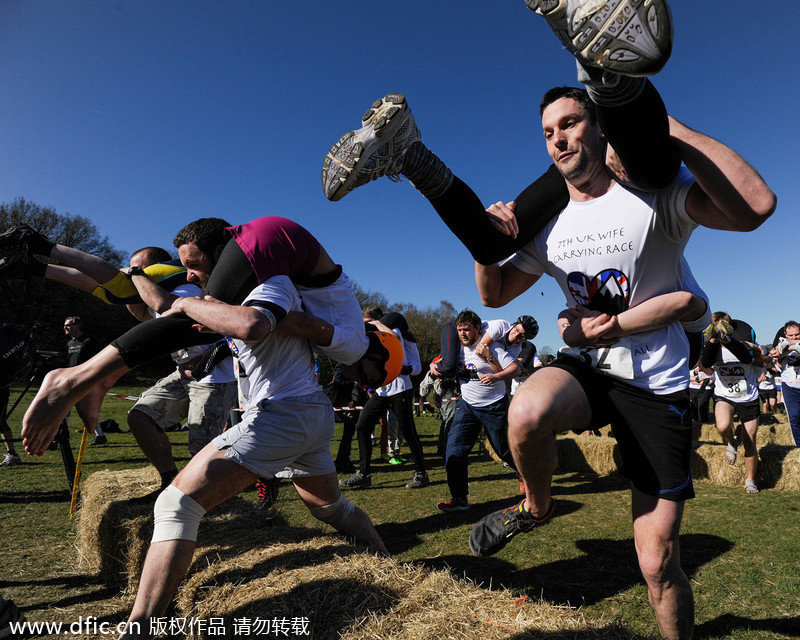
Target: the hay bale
(240, 572)
(359, 596)
(110, 531)
(596, 454)
(779, 433)
(779, 466)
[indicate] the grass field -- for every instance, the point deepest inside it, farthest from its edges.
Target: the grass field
(742, 552)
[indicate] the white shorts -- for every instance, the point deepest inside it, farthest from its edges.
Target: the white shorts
(338, 305)
(288, 438)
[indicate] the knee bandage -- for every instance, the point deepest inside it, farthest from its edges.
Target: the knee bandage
(337, 515)
(176, 516)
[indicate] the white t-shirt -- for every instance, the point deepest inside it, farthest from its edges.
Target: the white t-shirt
(475, 392)
(277, 366)
(612, 253)
(790, 370)
(697, 377)
(768, 383)
(734, 380)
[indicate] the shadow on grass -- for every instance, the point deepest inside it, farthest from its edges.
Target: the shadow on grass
(402, 536)
(23, 497)
(724, 625)
(606, 568)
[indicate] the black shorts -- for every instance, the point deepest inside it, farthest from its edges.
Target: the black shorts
(765, 394)
(654, 433)
(745, 411)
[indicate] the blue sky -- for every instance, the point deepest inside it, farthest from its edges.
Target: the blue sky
(143, 116)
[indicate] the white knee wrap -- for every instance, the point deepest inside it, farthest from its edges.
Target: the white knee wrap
(337, 514)
(176, 516)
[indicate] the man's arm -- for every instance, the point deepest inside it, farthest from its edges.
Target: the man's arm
(152, 295)
(511, 371)
(500, 284)
(580, 327)
(729, 194)
(232, 321)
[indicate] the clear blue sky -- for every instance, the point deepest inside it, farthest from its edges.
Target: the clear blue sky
(143, 116)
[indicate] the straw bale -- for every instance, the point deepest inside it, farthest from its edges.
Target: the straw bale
(240, 572)
(359, 596)
(779, 433)
(110, 531)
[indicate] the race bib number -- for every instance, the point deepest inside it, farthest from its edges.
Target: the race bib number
(615, 360)
(732, 381)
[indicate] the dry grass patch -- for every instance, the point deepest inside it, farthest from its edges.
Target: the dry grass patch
(241, 571)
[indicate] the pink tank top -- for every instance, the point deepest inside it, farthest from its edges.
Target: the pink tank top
(277, 246)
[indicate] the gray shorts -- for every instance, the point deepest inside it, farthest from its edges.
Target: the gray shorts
(288, 438)
(205, 407)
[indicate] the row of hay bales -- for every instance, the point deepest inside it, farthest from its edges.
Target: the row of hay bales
(779, 459)
(301, 577)
(295, 574)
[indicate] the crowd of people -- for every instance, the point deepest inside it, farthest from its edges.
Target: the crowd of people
(635, 324)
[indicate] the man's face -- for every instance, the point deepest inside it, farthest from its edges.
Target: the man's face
(198, 264)
(71, 328)
(573, 141)
(517, 334)
(467, 333)
(792, 333)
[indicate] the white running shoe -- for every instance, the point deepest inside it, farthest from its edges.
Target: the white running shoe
(10, 459)
(628, 37)
(375, 150)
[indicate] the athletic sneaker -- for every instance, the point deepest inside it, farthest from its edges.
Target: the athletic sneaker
(98, 440)
(628, 37)
(724, 329)
(710, 332)
(496, 530)
(9, 460)
(375, 150)
(356, 481)
(397, 460)
(419, 480)
(453, 504)
(23, 235)
(267, 492)
(9, 612)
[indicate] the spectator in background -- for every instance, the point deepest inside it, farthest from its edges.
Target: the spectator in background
(787, 353)
(700, 392)
(81, 347)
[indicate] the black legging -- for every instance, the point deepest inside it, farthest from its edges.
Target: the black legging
(375, 408)
(639, 133)
(230, 281)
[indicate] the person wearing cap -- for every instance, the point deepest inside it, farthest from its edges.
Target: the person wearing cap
(483, 402)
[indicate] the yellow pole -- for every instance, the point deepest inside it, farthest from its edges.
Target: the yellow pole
(77, 480)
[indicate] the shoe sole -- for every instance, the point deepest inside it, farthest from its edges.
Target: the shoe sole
(628, 37)
(344, 159)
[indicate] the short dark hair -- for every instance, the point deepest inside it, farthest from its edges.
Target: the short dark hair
(791, 323)
(372, 311)
(574, 93)
(154, 254)
(468, 316)
(206, 233)
(75, 320)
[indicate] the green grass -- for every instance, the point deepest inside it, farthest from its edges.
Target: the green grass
(741, 552)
